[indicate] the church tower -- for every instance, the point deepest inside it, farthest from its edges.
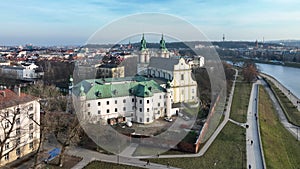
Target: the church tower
(163, 52)
(144, 55)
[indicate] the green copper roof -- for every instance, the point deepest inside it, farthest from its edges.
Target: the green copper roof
(163, 43)
(143, 43)
(118, 87)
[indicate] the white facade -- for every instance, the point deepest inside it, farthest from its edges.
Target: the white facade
(25, 133)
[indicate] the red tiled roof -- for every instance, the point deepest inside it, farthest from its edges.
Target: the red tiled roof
(9, 98)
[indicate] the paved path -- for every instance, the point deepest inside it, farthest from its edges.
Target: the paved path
(294, 99)
(89, 156)
(253, 143)
(294, 130)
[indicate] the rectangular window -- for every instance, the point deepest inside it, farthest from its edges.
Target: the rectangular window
(18, 131)
(30, 136)
(141, 110)
(31, 126)
(18, 121)
(31, 116)
(18, 151)
(31, 145)
(6, 146)
(141, 120)
(124, 108)
(99, 103)
(18, 141)
(6, 124)
(6, 156)
(116, 102)
(132, 99)
(89, 113)
(148, 109)
(107, 111)
(99, 111)
(141, 101)
(159, 96)
(124, 101)
(89, 105)
(182, 77)
(148, 119)
(158, 104)
(18, 110)
(148, 101)
(193, 90)
(6, 114)
(107, 102)
(116, 109)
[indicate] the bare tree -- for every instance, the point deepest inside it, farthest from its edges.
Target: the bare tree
(66, 129)
(249, 71)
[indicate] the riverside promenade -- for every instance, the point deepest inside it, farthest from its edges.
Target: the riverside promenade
(293, 98)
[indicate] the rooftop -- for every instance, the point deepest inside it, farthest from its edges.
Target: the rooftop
(9, 98)
(118, 87)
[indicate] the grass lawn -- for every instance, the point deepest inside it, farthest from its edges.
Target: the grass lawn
(101, 164)
(281, 149)
(292, 113)
(240, 101)
(227, 151)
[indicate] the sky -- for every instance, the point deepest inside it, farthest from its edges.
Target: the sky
(70, 22)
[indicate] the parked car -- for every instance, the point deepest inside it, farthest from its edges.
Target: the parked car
(128, 124)
(168, 119)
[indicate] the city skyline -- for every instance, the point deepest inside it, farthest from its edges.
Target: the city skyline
(72, 23)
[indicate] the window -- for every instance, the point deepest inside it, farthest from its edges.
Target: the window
(6, 114)
(124, 108)
(30, 108)
(132, 99)
(141, 101)
(18, 141)
(116, 109)
(107, 102)
(6, 146)
(18, 121)
(18, 131)
(158, 104)
(148, 119)
(159, 96)
(18, 151)
(99, 103)
(116, 102)
(182, 77)
(30, 136)
(193, 90)
(89, 113)
(31, 145)
(99, 111)
(148, 109)
(89, 105)
(31, 116)
(18, 110)
(31, 126)
(107, 111)
(6, 124)
(148, 101)
(6, 156)
(141, 110)
(133, 107)
(124, 101)
(141, 120)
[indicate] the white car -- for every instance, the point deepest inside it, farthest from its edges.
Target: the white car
(128, 124)
(168, 119)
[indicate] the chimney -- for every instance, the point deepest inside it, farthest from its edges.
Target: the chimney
(17, 90)
(3, 93)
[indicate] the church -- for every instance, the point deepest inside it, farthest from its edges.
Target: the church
(155, 92)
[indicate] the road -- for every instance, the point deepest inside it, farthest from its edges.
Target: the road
(253, 144)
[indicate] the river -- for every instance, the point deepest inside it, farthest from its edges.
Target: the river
(288, 76)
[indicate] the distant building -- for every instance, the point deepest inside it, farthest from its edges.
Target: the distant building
(110, 71)
(26, 71)
(19, 133)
